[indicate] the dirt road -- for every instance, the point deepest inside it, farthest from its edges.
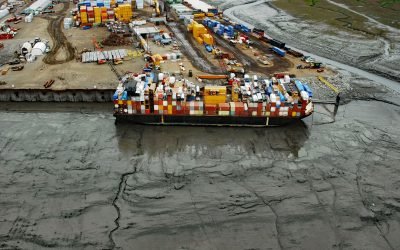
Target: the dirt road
(62, 48)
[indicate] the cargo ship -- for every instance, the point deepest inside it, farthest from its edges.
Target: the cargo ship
(162, 99)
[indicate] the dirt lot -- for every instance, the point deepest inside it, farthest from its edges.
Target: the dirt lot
(73, 74)
(68, 73)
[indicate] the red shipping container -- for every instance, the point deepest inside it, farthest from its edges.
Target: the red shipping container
(303, 105)
(295, 108)
(138, 108)
(211, 109)
(268, 108)
(224, 107)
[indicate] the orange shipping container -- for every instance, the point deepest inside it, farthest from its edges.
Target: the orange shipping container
(199, 40)
(208, 39)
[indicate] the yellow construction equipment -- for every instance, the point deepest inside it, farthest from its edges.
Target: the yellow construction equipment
(157, 7)
(324, 81)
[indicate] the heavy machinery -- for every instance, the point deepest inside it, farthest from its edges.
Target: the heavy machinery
(157, 7)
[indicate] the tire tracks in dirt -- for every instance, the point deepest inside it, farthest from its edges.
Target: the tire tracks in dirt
(60, 41)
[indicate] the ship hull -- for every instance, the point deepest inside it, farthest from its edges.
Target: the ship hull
(205, 120)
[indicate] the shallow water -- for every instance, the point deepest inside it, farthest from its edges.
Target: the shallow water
(75, 180)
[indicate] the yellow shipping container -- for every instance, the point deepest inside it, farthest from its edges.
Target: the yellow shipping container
(214, 99)
(190, 27)
(199, 29)
(199, 15)
(170, 109)
(208, 39)
(214, 90)
(199, 40)
(83, 15)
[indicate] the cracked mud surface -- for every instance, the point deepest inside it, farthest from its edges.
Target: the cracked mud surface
(75, 180)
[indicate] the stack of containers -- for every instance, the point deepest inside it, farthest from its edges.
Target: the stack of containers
(107, 3)
(100, 3)
(206, 21)
(67, 23)
(284, 111)
(123, 12)
(304, 95)
(84, 17)
(273, 100)
(97, 15)
(208, 39)
(210, 109)
(223, 109)
(139, 4)
(195, 107)
(229, 30)
(110, 15)
(104, 14)
(214, 94)
(252, 108)
(236, 108)
(221, 29)
(90, 14)
(198, 31)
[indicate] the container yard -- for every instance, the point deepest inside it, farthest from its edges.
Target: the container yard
(82, 39)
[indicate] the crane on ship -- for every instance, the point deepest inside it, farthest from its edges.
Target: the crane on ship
(104, 60)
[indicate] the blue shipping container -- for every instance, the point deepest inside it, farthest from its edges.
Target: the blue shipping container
(308, 89)
(299, 85)
(279, 51)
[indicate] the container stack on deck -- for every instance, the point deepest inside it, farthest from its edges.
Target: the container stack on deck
(275, 97)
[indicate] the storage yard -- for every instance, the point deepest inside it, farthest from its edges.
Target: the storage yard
(74, 31)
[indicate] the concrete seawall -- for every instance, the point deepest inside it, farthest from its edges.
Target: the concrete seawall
(47, 95)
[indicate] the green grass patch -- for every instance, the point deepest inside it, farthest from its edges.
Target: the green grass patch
(335, 16)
